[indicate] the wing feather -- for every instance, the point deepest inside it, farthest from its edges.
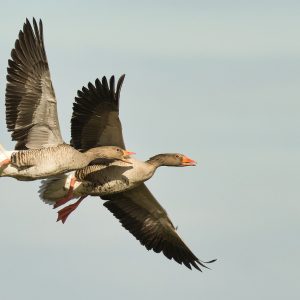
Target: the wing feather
(31, 110)
(95, 120)
(142, 215)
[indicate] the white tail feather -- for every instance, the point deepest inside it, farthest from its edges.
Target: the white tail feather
(3, 154)
(54, 188)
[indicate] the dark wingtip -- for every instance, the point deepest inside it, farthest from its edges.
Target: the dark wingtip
(211, 261)
(202, 263)
(28, 24)
(105, 85)
(90, 85)
(119, 86)
(97, 82)
(195, 265)
(112, 85)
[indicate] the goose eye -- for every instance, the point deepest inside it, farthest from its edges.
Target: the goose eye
(177, 156)
(118, 149)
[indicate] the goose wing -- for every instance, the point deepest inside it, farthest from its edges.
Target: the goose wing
(95, 120)
(142, 215)
(31, 112)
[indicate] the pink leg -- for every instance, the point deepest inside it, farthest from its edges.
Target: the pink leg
(4, 163)
(69, 196)
(66, 211)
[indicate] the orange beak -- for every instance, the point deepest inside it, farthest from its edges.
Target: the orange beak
(187, 161)
(128, 153)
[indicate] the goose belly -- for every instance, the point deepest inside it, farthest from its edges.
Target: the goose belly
(101, 189)
(41, 171)
(112, 187)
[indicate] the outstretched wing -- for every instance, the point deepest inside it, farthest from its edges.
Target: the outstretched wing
(31, 112)
(141, 214)
(95, 120)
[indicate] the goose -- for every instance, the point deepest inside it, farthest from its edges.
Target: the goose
(31, 116)
(96, 122)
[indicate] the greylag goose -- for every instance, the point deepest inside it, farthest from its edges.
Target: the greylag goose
(95, 121)
(31, 116)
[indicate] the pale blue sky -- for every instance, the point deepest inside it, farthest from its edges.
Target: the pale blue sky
(215, 80)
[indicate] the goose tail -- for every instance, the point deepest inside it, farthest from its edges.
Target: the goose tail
(55, 188)
(5, 157)
(4, 154)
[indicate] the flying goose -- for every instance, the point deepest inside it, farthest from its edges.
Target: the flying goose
(95, 122)
(31, 116)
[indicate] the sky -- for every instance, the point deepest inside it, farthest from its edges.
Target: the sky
(215, 80)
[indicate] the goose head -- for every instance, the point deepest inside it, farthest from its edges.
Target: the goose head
(109, 152)
(171, 160)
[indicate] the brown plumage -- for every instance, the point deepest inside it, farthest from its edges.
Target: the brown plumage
(95, 122)
(31, 116)
(140, 213)
(31, 112)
